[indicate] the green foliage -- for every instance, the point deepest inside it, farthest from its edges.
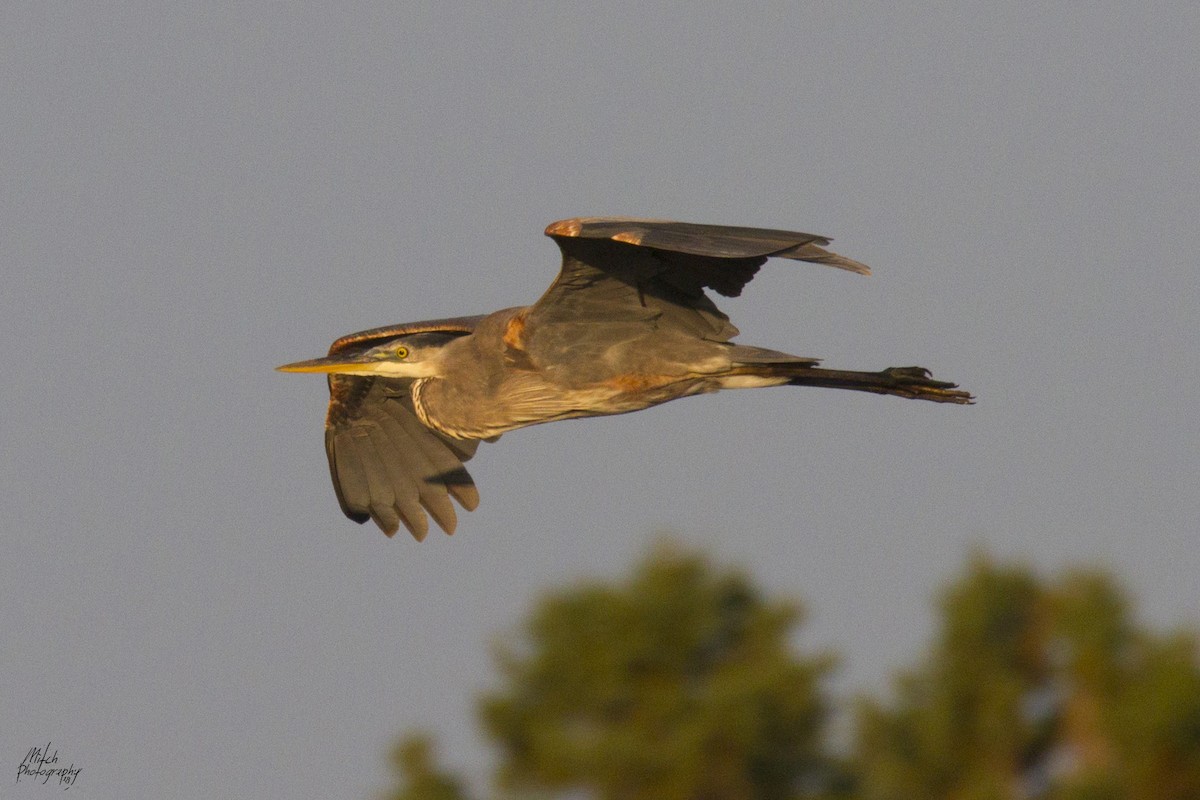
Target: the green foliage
(420, 779)
(677, 684)
(1157, 722)
(1038, 690)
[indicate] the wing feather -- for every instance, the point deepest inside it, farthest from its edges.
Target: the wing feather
(383, 497)
(349, 476)
(442, 459)
(395, 470)
(429, 493)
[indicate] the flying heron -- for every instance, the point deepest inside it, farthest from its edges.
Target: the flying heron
(625, 326)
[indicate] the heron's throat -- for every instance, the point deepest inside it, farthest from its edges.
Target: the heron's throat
(418, 398)
(432, 411)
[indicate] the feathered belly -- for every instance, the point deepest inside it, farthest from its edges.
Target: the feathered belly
(477, 412)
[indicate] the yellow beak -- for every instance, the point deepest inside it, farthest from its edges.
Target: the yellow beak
(328, 364)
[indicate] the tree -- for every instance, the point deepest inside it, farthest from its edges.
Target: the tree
(420, 779)
(1038, 690)
(679, 683)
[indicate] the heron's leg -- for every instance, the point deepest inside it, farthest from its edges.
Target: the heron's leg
(912, 382)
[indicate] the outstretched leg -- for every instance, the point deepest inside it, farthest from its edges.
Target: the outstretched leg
(914, 382)
(768, 368)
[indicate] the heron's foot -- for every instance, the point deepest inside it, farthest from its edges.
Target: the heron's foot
(918, 383)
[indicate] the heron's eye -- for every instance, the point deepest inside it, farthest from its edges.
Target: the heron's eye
(401, 352)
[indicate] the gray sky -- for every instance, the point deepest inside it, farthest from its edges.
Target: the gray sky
(195, 194)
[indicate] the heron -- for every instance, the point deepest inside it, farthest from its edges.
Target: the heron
(626, 325)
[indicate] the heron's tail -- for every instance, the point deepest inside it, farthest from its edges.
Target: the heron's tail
(914, 382)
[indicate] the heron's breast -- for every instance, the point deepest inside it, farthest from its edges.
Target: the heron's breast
(479, 411)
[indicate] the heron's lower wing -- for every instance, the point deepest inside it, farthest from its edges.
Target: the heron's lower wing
(387, 465)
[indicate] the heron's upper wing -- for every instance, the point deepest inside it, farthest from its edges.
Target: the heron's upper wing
(620, 268)
(385, 463)
(715, 241)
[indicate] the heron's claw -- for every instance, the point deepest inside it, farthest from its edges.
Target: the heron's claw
(907, 374)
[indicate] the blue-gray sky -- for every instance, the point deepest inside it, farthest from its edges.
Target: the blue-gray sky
(195, 193)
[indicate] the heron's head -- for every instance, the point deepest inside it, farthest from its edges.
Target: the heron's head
(417, 355)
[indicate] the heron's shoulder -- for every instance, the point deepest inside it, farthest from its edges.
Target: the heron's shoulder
(600, 227)
(373, 336)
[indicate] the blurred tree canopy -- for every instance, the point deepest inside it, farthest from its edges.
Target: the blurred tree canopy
(1042, 690)
(681, 682)
(420, 777)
